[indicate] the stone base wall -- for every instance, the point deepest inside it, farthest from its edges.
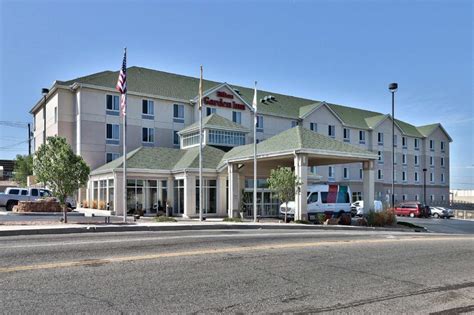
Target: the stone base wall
(44, 205)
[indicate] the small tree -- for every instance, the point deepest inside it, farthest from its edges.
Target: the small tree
(23, 168)
(57, 166)
(284, 182)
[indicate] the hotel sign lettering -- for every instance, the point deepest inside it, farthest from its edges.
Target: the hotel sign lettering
(225, 100)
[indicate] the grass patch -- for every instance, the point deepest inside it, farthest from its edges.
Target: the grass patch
(232, 219)
(410, 225)
(165, 219)
(302, 222)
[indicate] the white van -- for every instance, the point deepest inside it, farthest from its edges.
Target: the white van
(321, 198)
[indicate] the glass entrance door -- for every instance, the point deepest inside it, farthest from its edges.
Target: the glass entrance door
(267, 203)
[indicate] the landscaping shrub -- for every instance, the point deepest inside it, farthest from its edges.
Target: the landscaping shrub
(85, 203)
(228, 219)
(302, 222)
(321, 218)
(94, 204)
(165, 219)
(383, 218)
(102, 205)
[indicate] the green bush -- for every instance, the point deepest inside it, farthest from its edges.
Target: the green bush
(165, 219)
(302, 222)
(228, 219)
(383, 218)
(321, 218)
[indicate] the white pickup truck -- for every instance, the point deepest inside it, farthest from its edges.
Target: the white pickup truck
(13, 195)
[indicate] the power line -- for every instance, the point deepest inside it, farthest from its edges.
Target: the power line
(11, 146)
(14, 124)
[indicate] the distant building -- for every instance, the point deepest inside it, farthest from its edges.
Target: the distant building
(6, 169)
(162, 113)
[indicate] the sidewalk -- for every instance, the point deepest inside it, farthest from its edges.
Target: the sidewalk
(148, 225)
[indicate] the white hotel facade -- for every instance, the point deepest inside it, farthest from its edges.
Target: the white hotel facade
(162, 110)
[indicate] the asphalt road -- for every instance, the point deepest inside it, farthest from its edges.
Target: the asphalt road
(450, 226)
(237, 272)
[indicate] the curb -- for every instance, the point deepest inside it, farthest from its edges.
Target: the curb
(149, 228)
(39, 214)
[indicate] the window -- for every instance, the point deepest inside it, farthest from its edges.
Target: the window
(237, 117)
(380, 153)
(313, 197)
(395, 176)
(417, 197)
(380, 138)
(361, 174)
(176, 138)
(331, 172)
(112, 105)
(190, 139)
(404, 142)
(416, 177)
(431, 161)
(356, 196)
(417, 160)
(210, 111)
(361, 136)
(442, 177)
(259, 123)
(432, 197)
(432, 144)
(442, 197)
(112, 133)
(55, 115)
(431, 177)
(313, 127)
(404, 159)
(110, 156)
(227, 138)
(395, 159)
(346, 173)
(347, 135)
(404, 176)
(314, 169)
(148, 135)
(294, 123)
(417, 144)
(178, 113)
(442, 146)
(395, 140)
(379, 174)
(332, 131)
(442, 162)
(24, 192)
(404, 197)
(148, 110)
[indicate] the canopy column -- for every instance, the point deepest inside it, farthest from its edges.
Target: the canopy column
(368, 186)
(234, 189)
(301, 172)
(189, 196)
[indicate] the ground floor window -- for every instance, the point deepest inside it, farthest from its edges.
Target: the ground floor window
(102, 195)
(267, 201)
(356, 196)
(146, 195)
(178, 207)
(209, 192)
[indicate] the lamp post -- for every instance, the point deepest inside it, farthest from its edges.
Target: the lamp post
(45, 92)
(424, 186)
(393, 88)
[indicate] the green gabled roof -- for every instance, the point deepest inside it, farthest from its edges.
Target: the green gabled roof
(374, 120)
(190, 159)
(215, 121)
(408, 129)
(161, 158)
(296, 139)
(427, 129)
(153, 82)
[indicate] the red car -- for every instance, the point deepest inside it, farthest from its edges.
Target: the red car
(412, 209)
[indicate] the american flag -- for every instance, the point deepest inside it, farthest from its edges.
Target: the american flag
(122, 85)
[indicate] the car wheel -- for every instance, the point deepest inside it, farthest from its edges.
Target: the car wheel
(11, 204)
(436, 215)
(412, 215)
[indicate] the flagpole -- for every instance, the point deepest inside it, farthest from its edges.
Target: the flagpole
(255, 155)
(200, 148)
(125, 154)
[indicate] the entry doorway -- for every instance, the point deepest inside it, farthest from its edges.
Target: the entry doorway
(267, 203)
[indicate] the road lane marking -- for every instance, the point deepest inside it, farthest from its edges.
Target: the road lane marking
(227, 250)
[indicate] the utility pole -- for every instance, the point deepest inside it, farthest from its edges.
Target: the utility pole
(29, 139)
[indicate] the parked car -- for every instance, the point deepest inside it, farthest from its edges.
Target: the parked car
(441, 212)
(357, 208)
(13, 195)
(412, 209)
(331, 199)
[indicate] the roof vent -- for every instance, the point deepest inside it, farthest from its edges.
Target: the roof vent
(237, 91)
(268, 98)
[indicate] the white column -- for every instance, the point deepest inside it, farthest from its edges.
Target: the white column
(189, 196)
(301, 172)
(368, 186)
(234, 189)
(170, 192)
(118, 198)
(221, 193)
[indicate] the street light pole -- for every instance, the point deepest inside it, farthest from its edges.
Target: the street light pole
(424, 186)
(393, 88)
(45, 92)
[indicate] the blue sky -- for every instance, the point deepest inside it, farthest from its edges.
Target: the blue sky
(344, 52)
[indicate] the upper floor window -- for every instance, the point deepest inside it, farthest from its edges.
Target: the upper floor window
(417, 144)
(431, 177)
(361, 173)
(112, 133)
(361, 136)
(347, 134)
(404, 159)
(331, 131)
(228, 138)
(237, 117)
(260, 123)
(380, 174)
(404, 142)
(395, 140)
(442, 177)
(432, 145)
(112, 104)
(313, 127)
(380, 154)
(178, 113)
(417, 160)
(431, 161)
(331, 172)
(148, 110)
(404, 176)
(55, 114)
(190, 139)
(442, 162)
(346, 173)
(175, 138)
(210, 111)
(416, 177)
(148, 135)
(380, 138)
(442, 146)
(110, 156)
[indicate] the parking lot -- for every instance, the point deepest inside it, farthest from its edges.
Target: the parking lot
(451, 226)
